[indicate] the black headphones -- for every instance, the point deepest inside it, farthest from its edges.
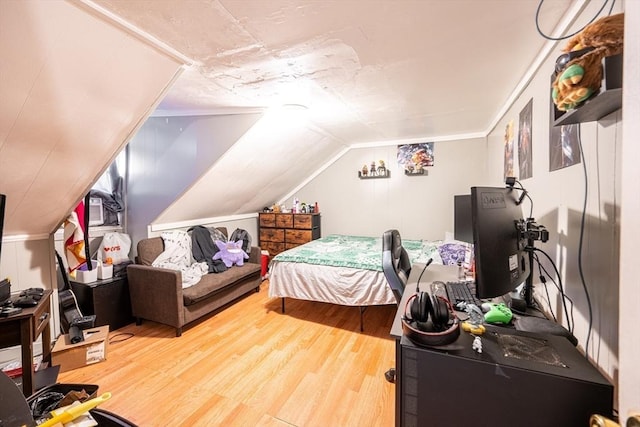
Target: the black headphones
(432, 322)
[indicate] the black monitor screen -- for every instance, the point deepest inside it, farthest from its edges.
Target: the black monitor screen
(501, 262)
(462, 225)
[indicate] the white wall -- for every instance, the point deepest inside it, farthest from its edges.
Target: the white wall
(558, 204)
(420, 207)
(629, 345)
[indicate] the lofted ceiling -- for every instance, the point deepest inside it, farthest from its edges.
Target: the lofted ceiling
(79, 77)
(368, 70)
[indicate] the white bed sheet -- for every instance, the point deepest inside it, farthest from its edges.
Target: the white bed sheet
(336, 285)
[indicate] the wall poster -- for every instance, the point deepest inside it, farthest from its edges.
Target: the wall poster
(413, 158)
(524, 141)
(564, 145)
(508, 150)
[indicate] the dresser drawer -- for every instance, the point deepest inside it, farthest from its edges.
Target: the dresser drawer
(271, 235)
(267, 220)
(274, 248)
(303, 221)
(298, 236)
(284, 220)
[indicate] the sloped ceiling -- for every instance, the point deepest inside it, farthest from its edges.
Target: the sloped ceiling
(73, 88)
(79, 77)
(366, 71)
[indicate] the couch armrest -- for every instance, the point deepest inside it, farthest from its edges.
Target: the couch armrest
(254, 255)
(156, 294)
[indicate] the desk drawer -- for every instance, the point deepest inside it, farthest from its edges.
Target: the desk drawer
(41, 318)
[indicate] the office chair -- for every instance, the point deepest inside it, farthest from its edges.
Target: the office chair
(396, 268)
(395, 262)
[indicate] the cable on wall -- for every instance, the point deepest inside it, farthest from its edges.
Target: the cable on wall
(613, 2)
(581, 243)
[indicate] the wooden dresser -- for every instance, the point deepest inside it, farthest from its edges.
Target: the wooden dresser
(282, 231)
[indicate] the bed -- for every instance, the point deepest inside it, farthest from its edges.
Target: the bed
(341, 269)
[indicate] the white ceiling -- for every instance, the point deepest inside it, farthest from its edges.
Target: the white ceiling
(79, 77)
(368, 70)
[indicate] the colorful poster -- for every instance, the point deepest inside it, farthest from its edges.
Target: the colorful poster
(508, 150)
(524, 142)
(413, 158)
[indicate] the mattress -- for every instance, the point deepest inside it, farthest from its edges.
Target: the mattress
(341, 269)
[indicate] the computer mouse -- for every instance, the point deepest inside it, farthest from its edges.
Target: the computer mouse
(486, 306)
(25, 302)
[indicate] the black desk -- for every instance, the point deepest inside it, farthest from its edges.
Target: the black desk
(460, 387)
(108, 299)
(23, 329)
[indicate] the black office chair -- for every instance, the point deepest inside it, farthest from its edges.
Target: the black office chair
(395, 262)
(396, 267)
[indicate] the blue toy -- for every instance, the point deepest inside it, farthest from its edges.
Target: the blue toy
(230, 253)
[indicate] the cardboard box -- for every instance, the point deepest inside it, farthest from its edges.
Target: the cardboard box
(92, 350)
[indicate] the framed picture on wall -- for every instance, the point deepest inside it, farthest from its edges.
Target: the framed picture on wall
(564, 144)
(414, 158)
(508, 150)
(524, 141)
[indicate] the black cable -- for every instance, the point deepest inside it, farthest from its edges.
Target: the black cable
(560, 285)
(582, 221)
(573, 34)
(124, 336)
(544, 282)
(564, 295)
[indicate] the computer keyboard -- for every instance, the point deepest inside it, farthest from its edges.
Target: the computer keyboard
(464, 292)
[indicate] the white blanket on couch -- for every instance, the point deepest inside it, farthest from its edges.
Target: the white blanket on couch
(177, 256)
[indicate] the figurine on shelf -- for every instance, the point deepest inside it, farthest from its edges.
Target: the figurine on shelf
(365, 170)
(372, 169)
(382, 169)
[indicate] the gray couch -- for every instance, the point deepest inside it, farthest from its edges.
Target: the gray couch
(157, 293)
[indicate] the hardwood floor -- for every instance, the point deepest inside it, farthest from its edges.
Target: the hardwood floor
(251, 365)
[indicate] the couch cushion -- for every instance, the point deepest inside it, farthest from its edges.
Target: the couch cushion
(149, 249)
(211, 283)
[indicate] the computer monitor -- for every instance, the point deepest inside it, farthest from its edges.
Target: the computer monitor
(462, 224)
(501, 262)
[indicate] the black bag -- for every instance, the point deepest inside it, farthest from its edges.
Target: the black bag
(242, 235)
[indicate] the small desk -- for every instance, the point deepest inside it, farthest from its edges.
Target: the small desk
(23, 329)
(458, 387)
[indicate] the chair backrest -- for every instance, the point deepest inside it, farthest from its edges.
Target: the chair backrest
(395, 262)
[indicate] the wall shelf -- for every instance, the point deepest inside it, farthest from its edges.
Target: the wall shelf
(387, 174)
(608, 100)
(422, 172)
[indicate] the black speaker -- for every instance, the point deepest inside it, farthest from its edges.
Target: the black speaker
(432, 322)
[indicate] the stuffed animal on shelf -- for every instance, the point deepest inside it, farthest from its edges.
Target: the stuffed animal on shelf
(579, 69)
(230, 253)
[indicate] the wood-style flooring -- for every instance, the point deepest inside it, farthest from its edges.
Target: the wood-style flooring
(251, 365)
